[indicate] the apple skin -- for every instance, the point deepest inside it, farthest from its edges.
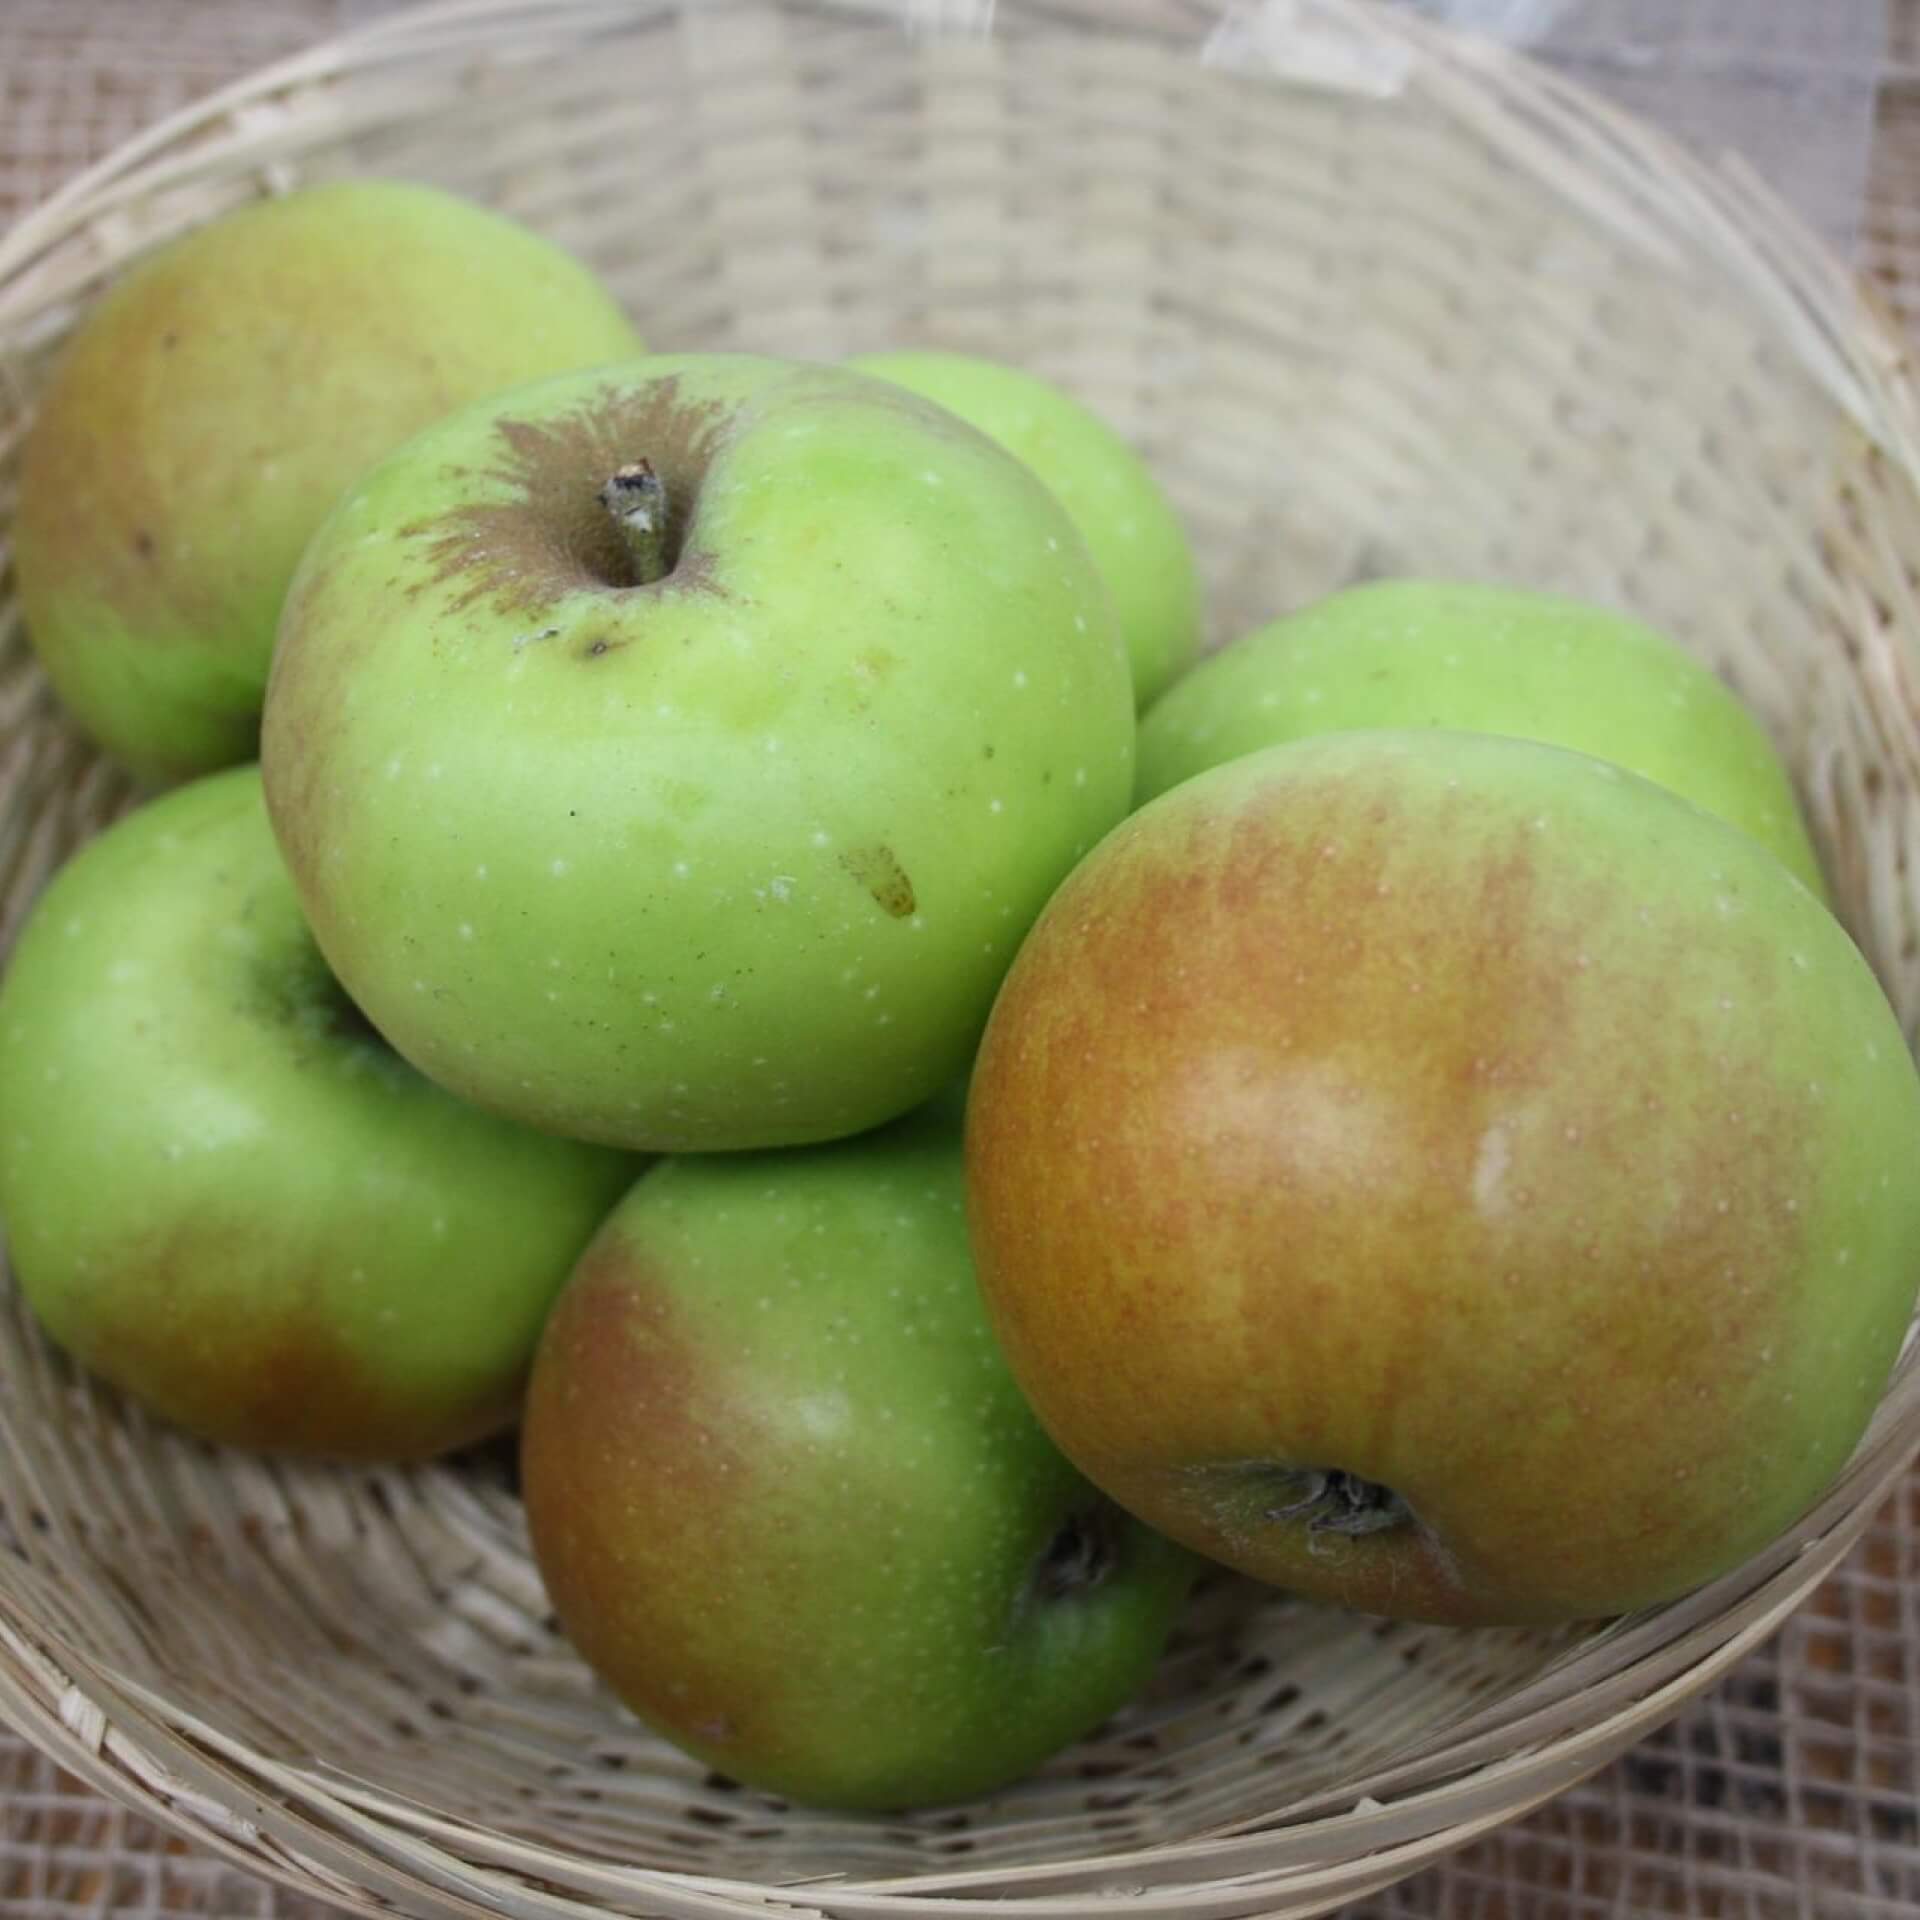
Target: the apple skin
(1462, 1116)
(789, 1504)
(218, 400)
(736, 859)
(225, 1195)
(1129, 525)
(1485, 659)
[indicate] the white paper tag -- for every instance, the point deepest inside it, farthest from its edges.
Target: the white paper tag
(1316, 43)
(968, 18)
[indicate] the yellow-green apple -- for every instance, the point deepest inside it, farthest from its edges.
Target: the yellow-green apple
(789, 1504)
(218, 399)
(1485, 659)
(224, 1194)
(1129, 525)
(709, 815)
(1447, 1175)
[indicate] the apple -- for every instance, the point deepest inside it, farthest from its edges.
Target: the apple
(225, 1195)
(1487, 659)
(1128, 523)
(212, 406)
(1449, 1176)
(789, 1504)
(708, 814)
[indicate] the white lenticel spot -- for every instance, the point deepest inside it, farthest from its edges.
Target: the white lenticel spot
(480, 872)
(681, 869)
(996, 806)
(557, 868)
(1020, 678)
(466, 930)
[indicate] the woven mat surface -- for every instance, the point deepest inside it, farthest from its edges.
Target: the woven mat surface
(1791, 1792)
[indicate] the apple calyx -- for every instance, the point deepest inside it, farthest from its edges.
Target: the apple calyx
(1084, 1549)
(1329, 1500)
(635, 498)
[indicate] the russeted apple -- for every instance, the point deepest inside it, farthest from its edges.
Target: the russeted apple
(674, 755)
(1485, 659)
(1449, 1176)
(790, 1505)
(227, 1196)
(215, 402)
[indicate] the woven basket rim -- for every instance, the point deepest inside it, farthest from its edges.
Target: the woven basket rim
(328, 1837)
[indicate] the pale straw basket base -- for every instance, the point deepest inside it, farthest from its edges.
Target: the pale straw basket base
(1372, 301)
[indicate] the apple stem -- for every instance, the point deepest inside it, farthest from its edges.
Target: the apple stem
(636, 501)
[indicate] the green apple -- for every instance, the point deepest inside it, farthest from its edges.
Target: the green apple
(225, 1195)
(1423, 653)
(1449, 1176)
(789, 1504)
(707, 815)
(215, 403)
(1129, 525)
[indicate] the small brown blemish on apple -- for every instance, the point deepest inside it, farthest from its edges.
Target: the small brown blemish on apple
(143, 544)
(544, 531)
(877, 869)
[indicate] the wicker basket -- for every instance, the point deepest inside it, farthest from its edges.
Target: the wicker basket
(1374, 301)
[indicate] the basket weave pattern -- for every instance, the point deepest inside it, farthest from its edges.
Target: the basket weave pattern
(1439, 314)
